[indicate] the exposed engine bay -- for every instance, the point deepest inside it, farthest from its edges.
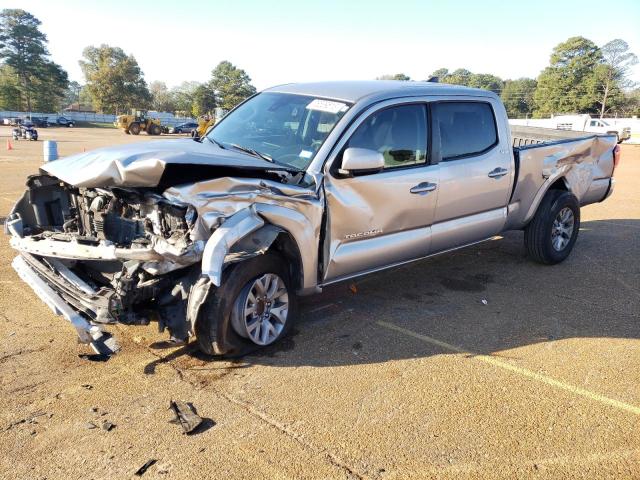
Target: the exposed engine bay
(111, 249)
(122, 217)
(119, 254)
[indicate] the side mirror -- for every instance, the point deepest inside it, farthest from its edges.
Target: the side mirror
(361, 160)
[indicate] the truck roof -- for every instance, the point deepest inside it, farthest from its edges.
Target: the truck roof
(353, 91)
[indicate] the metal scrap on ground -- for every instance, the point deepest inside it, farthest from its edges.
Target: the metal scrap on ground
(185, 415)
(145, 467)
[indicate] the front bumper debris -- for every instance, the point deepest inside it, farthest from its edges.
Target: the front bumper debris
(101, 341)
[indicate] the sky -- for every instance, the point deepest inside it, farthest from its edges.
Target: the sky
(282, 41)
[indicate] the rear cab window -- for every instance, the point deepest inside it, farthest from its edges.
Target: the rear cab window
(466, 128)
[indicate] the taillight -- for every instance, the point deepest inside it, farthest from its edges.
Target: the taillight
(616, 157)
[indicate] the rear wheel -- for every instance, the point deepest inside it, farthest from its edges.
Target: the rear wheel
(154, 129)
(550, 236)
(254, 307)
(134, 128)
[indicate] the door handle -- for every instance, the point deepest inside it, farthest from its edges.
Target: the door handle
(424, 187)
(498, 172)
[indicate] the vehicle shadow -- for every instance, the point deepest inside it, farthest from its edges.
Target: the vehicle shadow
(484, 299)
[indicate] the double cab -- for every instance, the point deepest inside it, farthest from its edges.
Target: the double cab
(298, 187)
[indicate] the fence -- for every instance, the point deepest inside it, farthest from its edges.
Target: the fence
(166, 118)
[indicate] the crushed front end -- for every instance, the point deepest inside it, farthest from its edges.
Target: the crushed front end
(103, 256)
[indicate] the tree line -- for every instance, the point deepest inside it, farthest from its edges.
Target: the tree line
(581, 78)
(114, 82)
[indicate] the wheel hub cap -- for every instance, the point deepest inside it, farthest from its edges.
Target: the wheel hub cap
(562, 229)
(260, 313)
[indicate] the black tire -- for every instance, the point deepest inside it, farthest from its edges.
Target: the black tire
(154, 129)
(214, 330)
(538, 238)
(134, 128)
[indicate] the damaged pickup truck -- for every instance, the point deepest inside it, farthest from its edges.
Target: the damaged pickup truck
(298, 187)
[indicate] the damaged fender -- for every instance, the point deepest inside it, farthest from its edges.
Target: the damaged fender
(269, 208)
(219, 244)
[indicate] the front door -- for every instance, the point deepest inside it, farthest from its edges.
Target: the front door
(382, 218)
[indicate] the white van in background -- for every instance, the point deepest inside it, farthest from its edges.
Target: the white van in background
(584, 123)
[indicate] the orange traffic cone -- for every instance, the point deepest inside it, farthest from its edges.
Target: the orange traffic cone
(9, 146)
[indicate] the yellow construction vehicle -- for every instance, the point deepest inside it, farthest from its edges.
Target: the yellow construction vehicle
(204, 122)
(137, 122)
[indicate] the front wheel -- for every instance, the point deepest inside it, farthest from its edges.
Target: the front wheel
(550, 236)
(134, 128)
(254, 307)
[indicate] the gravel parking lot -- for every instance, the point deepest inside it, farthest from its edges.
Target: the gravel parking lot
(474, 364)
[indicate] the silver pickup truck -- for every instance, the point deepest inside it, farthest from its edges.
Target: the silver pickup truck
(300, 186)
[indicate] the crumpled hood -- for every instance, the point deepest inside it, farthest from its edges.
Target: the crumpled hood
(142, 164)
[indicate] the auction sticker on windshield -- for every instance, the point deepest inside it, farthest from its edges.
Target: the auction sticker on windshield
(327, 106)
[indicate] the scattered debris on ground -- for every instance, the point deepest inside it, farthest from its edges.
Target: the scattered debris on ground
(30, 419)
(145, 467)
(185, 415)
(94, 357)
(108, 426)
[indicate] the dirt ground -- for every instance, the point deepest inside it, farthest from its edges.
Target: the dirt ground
(405, 374)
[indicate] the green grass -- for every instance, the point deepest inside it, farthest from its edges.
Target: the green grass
(94, 125)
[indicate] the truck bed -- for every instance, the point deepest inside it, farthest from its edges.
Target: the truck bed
(522, 136)
(582, 162)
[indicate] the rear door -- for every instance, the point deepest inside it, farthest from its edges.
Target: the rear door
(383, 218)
(476, 171)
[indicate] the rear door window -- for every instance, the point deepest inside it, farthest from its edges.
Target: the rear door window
(466, 128)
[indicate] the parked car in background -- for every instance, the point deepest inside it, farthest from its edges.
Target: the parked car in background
(41, 122)
(184, 128)
(584, 123)
(299, 187)
(65, 122)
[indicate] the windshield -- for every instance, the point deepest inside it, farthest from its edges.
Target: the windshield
(288, 129)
